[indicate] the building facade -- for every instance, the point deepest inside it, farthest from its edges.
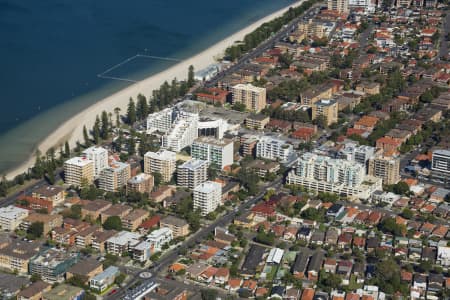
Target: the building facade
(207, 197)
(386, 168)
(440, 165)
(192, 173)
(114, 177)
(219, 153)
(99, 156)
(163, 162)
(182, 133)
(327, 109)
(78, 169)
(253, 97)
(340, 6)
(141, 183)
(11, 217)
(274, 149)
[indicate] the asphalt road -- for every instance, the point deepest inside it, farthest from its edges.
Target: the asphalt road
(12, 198)
(170, 257)
(263, 47)
(443, 51)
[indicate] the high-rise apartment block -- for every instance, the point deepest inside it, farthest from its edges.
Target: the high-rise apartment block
(327, 109)
(99, 156)
(325, 174)
(161, 121)
(182, 133)
(162, 162)
(141, 183)
(219, 153)
(115, 176)
(192, 173)
(207, 197)
(386, 168)
(440, 166)
(253, 97)
(338, 5)
(274, 149)
(78, 169)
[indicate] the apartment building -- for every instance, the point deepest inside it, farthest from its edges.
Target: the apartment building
(159, 238)
(316, 28)
(105, 279)
(440, 164)
(386, 168)
(161, 121)
(11, 217)
(55, 194)
(162, 162)
(15, 255)
(358, 153)
(327, 109)
(178, 226)
(52, 264)
(257, 121)
(253, 97)
(115, 176)
(49, 222)
(78, 169)
(99, 156)
(182, 133)
(274, 149)
(325, 174)
(135, 218)
(340, 6)
(141, 183)
(207, 197)
(122, 242)
(192, 173)
(218, 153)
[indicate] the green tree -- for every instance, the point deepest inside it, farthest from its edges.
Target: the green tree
(407, 213)
(113, 222)
(209, 294)
(131, 112)
(191, 76)
(157, 178)
(141, 107)
(120, 279)
(36, 229)
(96, 131)
(66, 149)
(87, 140)
(104, 132)
(117, 112)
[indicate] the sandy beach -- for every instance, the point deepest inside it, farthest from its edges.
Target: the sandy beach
(72, 129)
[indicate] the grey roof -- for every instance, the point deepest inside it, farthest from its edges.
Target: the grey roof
(253, 258)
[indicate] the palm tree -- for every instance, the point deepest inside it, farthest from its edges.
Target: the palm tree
(117, 111)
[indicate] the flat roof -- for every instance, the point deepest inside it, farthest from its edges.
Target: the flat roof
(208, 187)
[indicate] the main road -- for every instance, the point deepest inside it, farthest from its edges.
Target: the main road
(171, 256)
(261, 48)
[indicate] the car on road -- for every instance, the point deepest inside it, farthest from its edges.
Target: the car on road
(112, 292)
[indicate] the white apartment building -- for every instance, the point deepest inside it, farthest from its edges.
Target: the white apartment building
(207, 197)
(99, 156)
(11, 217)
(325, 174)
(253, 97)
(274, 149)
(159, 238)
(338, 5)
(441, 161)
(163, 162)
(182, 133)
(161, 121)
(122, 242)
(77, 168)
(216, 152)
(192, 173)
(115, 176)
(358, 153)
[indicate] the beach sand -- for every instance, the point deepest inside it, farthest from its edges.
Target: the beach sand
(72, 129)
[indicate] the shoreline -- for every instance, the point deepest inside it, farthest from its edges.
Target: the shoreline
(73, 127)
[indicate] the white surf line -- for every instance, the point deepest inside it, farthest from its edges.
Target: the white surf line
(116, 78)
(159, 57)
(118, 65)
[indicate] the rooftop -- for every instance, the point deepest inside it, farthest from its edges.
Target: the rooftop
(207, 187)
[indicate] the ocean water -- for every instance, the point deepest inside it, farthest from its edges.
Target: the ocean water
(52, 51)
